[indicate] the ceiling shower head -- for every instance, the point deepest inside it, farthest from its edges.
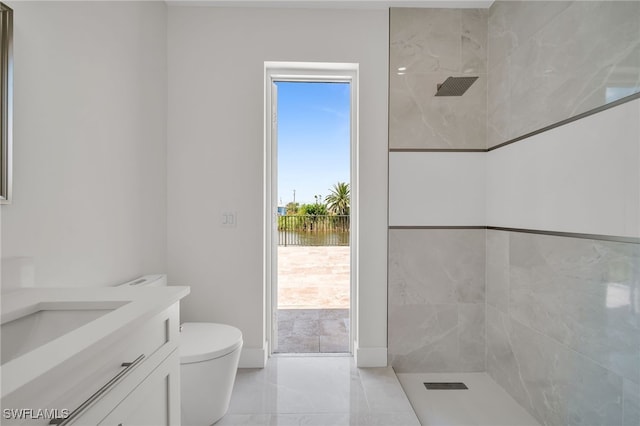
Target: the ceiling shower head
(455, 86)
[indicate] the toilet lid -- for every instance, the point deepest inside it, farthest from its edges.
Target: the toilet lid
(201, 341)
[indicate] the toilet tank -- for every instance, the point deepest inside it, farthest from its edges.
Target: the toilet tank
(159, 280)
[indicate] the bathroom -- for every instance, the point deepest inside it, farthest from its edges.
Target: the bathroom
(136, 125)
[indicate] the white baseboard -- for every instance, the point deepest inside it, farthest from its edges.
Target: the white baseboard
(254, 357)
(370, 357)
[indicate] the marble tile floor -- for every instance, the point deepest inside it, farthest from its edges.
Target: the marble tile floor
(313, 331)
(484, 403)
(320, 391)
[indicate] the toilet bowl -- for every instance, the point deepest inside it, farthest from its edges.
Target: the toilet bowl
(209, 356)
(207, 370)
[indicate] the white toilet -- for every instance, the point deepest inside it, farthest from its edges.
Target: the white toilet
(209, 355)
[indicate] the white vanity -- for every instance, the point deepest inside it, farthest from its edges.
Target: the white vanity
(91, 356)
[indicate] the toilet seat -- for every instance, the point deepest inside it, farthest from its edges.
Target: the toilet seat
(202, 341)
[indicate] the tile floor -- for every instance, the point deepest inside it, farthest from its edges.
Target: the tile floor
(313, 331)
(320, 391)
(484, 403)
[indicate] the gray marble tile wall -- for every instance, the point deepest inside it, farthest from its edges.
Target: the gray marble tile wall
(436, 277)
(551, 60)
(554, 320)
(563, 326)
(437, 300)
(426, 47)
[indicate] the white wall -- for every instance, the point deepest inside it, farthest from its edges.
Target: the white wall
(215, 154)
(437, 188)
(89, 141)
(583, 177)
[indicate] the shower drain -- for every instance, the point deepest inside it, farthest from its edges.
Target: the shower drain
(445, 385)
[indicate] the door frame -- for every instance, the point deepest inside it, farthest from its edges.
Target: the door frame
(304, 72)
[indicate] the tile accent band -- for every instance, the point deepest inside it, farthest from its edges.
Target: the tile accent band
(436, 227)
(436, 150)
(614, 238)
(530, 134)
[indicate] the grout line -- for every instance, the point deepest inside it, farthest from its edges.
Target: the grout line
(437, 150)
(599, 237)
(435, 227)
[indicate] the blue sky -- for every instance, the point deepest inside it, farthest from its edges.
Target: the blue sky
(313, 139)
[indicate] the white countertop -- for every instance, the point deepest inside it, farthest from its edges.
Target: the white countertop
(136, 305)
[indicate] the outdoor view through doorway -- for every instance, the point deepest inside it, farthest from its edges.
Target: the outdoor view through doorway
(313, 253)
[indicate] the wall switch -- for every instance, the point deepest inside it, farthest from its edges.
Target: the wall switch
(229, 219)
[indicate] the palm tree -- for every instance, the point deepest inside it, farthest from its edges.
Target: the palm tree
(339, 199)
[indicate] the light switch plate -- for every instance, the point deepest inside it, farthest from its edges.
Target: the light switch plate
(229, 219)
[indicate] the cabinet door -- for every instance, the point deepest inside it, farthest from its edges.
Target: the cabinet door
(155, 402)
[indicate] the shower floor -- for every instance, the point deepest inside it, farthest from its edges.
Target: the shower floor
(484, 403)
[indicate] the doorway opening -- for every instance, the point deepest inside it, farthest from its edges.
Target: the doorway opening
(313, 268)
(310, 242)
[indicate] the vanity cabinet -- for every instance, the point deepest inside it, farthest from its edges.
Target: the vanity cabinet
(131, 378)
(155, 401)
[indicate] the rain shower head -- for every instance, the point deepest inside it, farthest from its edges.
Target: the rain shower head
(455, 86)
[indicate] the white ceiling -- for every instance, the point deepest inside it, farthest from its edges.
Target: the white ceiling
(337, 4)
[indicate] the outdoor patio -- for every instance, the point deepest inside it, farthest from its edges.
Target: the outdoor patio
(313, 299)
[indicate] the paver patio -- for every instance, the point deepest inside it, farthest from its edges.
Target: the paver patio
(313, 277)
(313, 299)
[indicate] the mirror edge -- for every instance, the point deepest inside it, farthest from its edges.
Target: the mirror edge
(6, 103)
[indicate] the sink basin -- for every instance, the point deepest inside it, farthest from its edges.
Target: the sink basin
(41, 323)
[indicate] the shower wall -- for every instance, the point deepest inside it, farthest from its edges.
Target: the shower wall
(550, 60)
(436, 300)
(563, 310)
(563, 326)
(426, 47)
(436, 313)
(521, 260)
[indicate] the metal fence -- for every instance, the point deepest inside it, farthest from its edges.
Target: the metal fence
(313, 230)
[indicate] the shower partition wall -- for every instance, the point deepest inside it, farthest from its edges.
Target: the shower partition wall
(558, 183)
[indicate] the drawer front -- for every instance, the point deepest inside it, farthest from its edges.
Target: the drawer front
(155, 402)
(82, 377)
